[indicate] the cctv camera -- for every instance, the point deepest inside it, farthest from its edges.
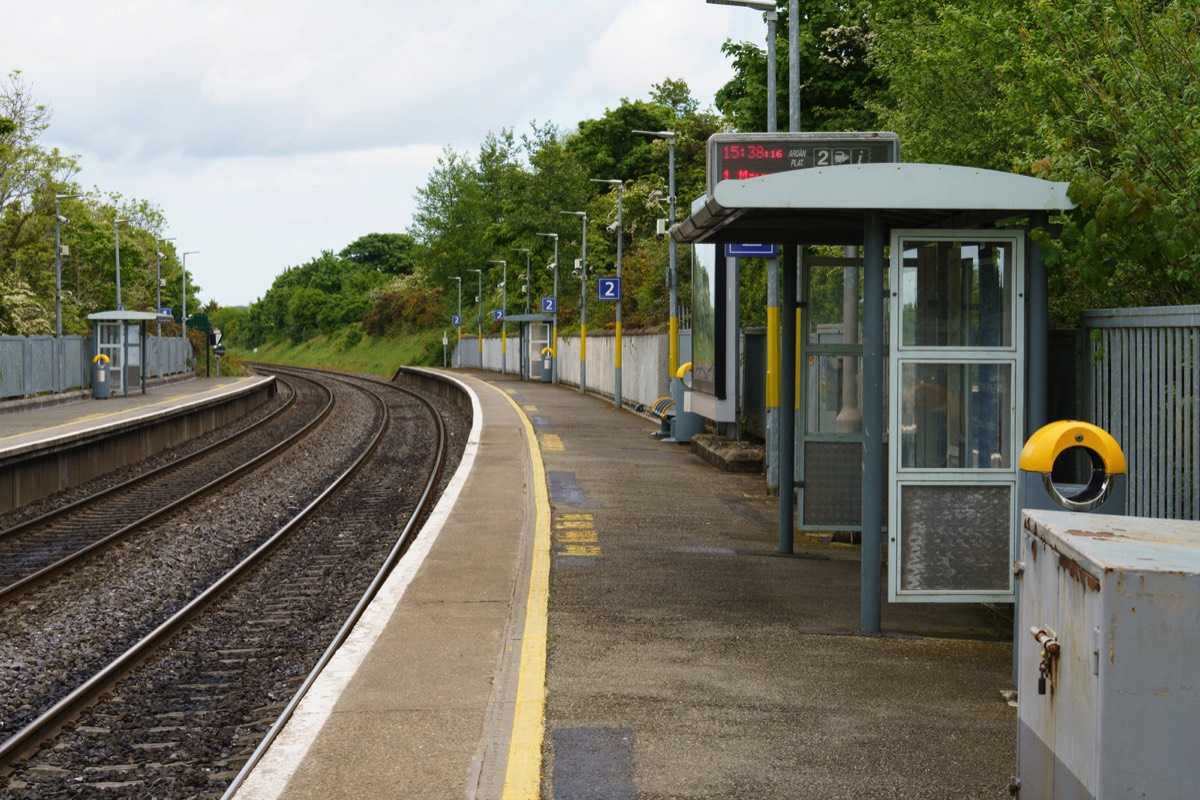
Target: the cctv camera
(616, 226)
(63, 220)
(660, 230)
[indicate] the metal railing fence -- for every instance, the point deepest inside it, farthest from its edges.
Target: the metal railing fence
(1144, 386)
(33, 365)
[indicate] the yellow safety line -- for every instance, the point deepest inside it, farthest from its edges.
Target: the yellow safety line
(523, 773)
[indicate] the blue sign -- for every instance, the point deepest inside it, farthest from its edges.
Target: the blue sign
(751, 251)
(497, 315)
(549, 305)
(455, 319)
(164, 314)
(609, 288)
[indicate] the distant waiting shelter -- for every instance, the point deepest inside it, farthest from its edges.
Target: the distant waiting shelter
(121, 338)
(923, 362)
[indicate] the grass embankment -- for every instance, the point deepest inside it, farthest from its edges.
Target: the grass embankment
(368, 355)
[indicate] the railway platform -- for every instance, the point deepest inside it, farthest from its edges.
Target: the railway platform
(593, 613)
(52, 443)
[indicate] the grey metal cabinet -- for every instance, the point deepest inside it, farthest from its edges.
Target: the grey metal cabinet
(1109, 625)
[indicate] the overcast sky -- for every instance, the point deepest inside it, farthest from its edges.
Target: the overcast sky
(270, 130)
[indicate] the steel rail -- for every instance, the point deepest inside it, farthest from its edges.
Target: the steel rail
(30, 737)
(7, 593)
(415, 520)
(132, 482)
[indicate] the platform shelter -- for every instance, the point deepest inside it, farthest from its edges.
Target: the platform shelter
(121, 337)
(924, 361)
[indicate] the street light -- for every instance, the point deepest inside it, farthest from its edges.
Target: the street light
(503, 314)
(59, 219)
(183, 300)
(458, 344)
(554, 344)
(525, 366)
(117, 242)
(772, 15)
(158, 282)
(525, 250)
(617, 346)
(774, 364)
(479, 299)
(582, 302)
(672, 276)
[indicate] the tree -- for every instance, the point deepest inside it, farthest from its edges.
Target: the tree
(389, 253)
(837, 83)
(1100, 93)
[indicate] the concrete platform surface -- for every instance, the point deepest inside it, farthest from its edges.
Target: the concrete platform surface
(683, 656)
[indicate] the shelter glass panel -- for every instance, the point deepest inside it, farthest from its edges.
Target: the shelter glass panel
(956, 416)
(707, 318)
(957, 294)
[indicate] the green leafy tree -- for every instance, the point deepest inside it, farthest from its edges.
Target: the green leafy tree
(1100, 93)
(389, 253)
(837, 81)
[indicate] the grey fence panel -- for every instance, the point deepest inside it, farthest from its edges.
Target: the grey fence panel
(77, 362)
(42, 364)
(1145, 390)
(12, 366)
(43, 357)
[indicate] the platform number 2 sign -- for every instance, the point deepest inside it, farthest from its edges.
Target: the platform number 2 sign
(609, 288)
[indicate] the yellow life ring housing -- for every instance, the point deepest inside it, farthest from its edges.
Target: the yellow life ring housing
(684, 369)
(101, 358)
(1050, 441)
(548, 351)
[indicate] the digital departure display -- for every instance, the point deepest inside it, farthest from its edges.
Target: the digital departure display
(741, 156)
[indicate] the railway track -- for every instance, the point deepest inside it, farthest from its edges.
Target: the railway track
(181, 710)
(36, 549)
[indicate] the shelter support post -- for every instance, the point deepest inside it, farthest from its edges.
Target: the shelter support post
(1038, 344)
(772, 388)
(787, 397)
(872, 429)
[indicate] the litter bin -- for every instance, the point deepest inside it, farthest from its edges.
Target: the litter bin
(685, 424)
(547, 364)
(1101, 490)
(101, 388)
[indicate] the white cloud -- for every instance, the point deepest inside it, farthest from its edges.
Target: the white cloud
(268, 130)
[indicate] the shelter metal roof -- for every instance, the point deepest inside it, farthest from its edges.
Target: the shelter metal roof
(825, 205)
(123, 316)
(528, 318)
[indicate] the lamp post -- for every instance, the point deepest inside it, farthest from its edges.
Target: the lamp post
(503, 314)
(767, 7)
(59, 219)
(183, 299)
(554, 337)
(458, 344)
(117, 244)
(774, 365)
(672, 275)
(617, 345)
(525, 365)
(158, 282)
(582, 302)
(479, 300)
